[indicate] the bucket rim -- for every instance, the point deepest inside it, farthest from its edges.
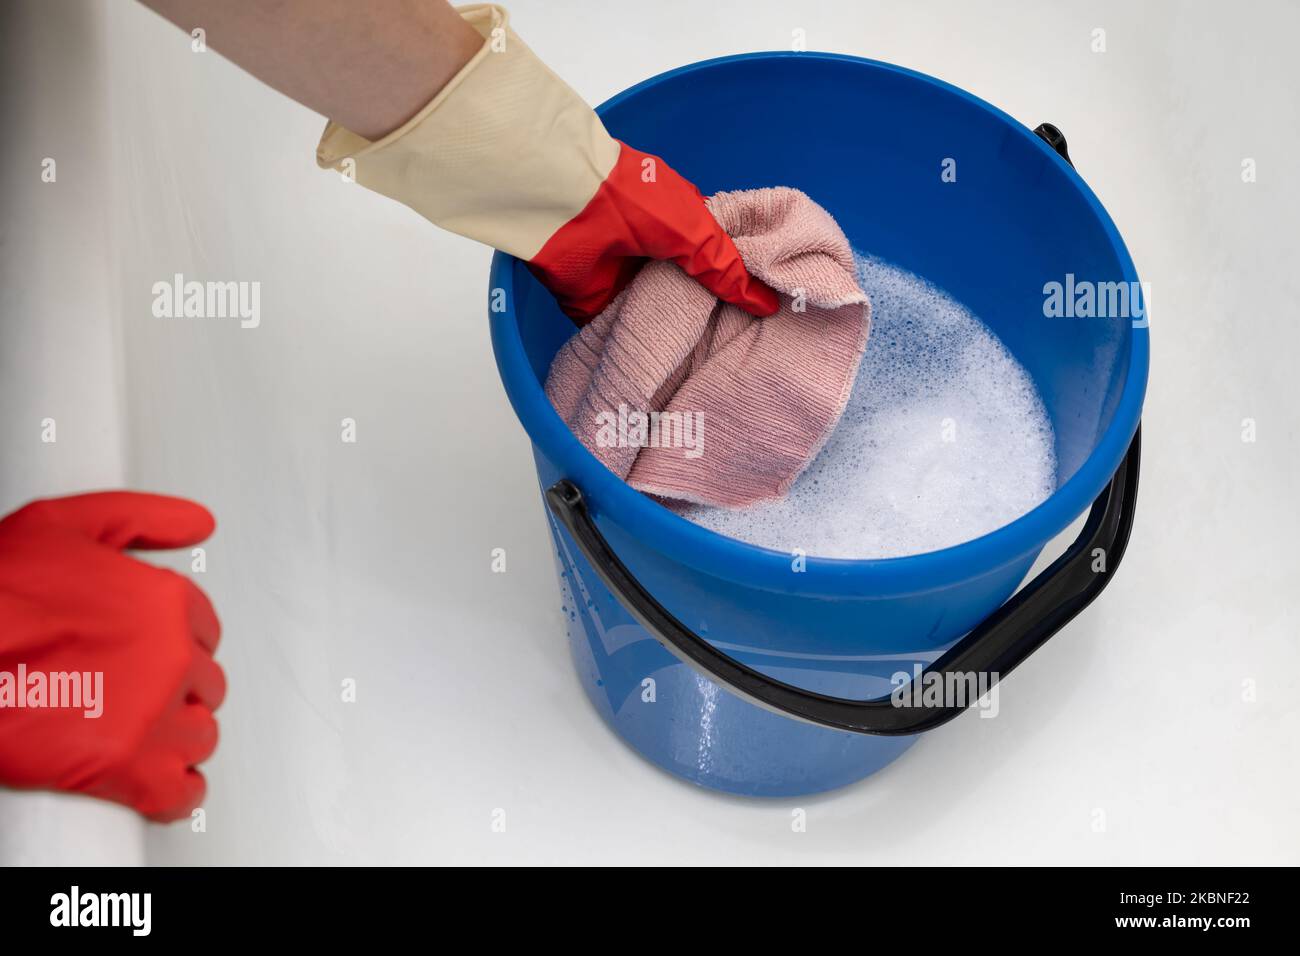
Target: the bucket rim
(612, 500)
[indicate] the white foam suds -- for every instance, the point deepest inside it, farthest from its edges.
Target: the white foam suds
(944, 439)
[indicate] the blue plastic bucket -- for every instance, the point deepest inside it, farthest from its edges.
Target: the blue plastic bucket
(717, 660)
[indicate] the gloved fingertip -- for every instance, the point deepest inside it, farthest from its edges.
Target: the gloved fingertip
(762, 301)
(132, 519)
(186, 796)
(755, 297)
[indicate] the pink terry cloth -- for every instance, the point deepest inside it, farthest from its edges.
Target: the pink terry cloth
(743, 404)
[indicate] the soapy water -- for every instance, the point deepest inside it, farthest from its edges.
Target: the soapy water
(944, 439)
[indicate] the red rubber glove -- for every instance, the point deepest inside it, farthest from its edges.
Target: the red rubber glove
(509, 155)
(70, 601)
(590, 258)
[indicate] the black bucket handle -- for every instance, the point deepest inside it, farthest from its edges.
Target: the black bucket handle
(992, 650)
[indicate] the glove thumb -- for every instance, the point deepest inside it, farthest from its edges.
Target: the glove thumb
(125, 519)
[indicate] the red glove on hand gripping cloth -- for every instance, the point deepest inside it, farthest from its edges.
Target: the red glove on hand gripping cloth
(72, 603)
(759, 396)
(509, 155)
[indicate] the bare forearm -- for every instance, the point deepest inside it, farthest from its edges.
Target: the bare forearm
(369, 66)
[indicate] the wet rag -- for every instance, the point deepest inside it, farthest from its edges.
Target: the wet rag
(690, 398)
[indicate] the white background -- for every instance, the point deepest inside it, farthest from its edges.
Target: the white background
(372, 561)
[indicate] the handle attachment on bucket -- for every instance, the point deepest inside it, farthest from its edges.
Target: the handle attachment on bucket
(1054, 138)
(989, 652)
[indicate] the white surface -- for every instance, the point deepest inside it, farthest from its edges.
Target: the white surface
(59, 346)
(371, 561)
